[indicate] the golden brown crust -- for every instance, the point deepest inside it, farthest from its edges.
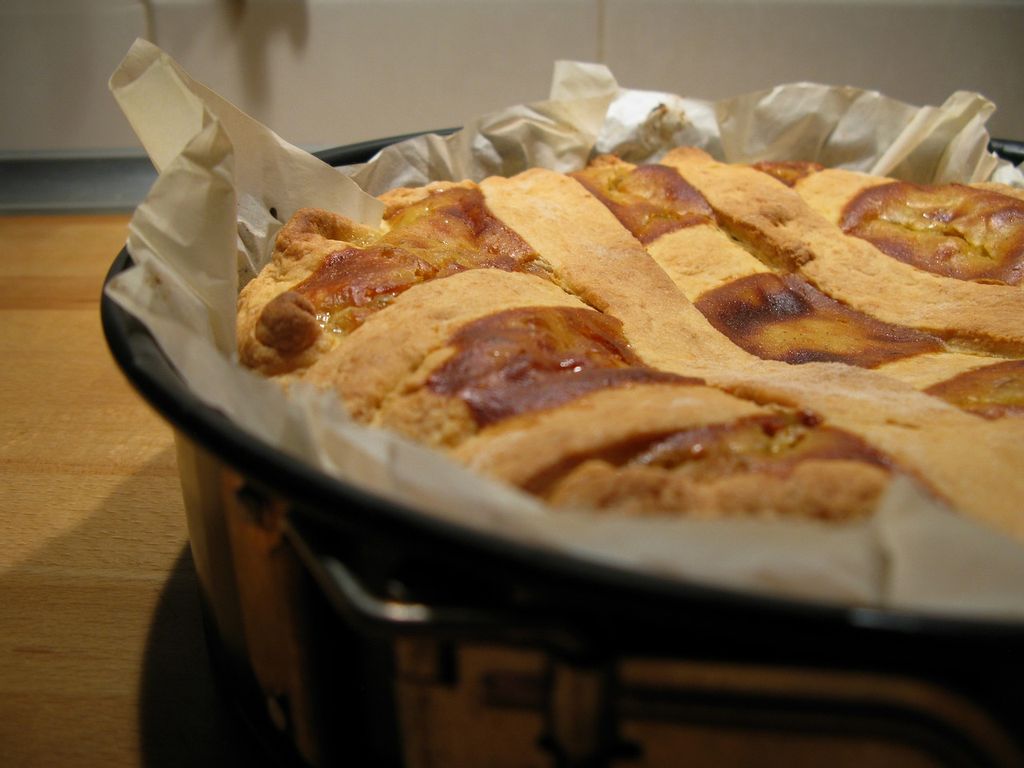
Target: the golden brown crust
(789, 172)
(1003, 189)
(702, 258)
(951, 230)
(993, 391)
(391, 369)
(328, 275)
(599, 261)
(781, 317)
(920, 432)
(830, 190)
(523, 448)
(823, 490)
(772, 217)
(402, 197)
(300, 248)
(376, 361)
(774, 316)
(921, 371)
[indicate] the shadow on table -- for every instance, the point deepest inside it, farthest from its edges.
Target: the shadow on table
(184, 719)
(77, 601)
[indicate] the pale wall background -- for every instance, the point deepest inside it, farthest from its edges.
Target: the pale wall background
(327, 72)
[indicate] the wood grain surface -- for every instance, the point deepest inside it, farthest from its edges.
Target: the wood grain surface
(102, 659)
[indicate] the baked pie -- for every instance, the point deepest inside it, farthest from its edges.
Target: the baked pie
(688, 337)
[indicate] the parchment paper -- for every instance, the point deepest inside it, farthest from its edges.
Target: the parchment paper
(226, 182)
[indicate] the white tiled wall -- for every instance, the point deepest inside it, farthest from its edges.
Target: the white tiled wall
(331, 71)
(919, 51)
(55, 59)
(326, 72)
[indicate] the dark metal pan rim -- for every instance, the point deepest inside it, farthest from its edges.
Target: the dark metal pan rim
(151, 374)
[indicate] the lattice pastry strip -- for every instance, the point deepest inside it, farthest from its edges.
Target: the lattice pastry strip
(517, 325)
(966, 232)
(772, 218)
(750, 292)
(915, 429)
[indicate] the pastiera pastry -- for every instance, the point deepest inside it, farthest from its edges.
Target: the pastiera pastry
(689, 338)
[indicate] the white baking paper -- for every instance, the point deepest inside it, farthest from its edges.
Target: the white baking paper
(227, 182)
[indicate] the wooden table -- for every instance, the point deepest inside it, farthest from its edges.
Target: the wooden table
(102, 659)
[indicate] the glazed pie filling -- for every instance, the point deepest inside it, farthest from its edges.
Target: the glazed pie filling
(447, 232)
(992, 391)
(557, 398)
(748, 465)
(523, 360)
(788, 172)
(785, 318)
(649, 200)
(952, 230)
